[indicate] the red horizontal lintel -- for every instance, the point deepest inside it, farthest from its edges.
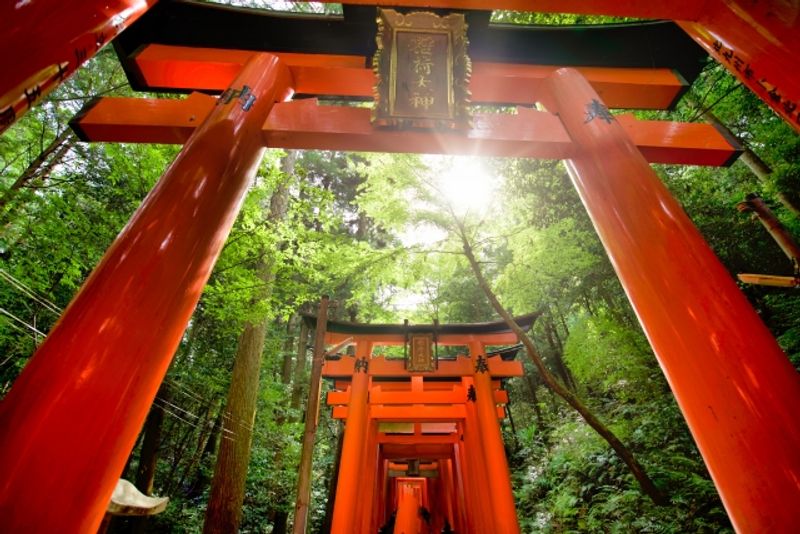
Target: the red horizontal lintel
(304, 124)
(456, 396)
(213, 69)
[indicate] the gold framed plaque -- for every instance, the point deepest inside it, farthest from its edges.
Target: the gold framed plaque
(422, 70)
(421, 358)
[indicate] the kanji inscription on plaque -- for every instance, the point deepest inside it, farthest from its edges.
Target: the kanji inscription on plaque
(421, 358)
(423, 71)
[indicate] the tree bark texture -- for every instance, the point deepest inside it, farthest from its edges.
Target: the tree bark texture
(288, 346)
(300, 366)
(224, 512)
(537, 410)
(312, 417)
(558, 356)
(145, 473)
(201, 479)
(207, 430)
(755, 204)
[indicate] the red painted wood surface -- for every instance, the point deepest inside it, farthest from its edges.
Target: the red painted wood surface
(355, 434)
(389, 424)
(763, 63)
(758, 41)
(73, 415)
(734, 385)
(477, 471)
(505, 516)
(212, 69)
(377, 396)
(45, 41)
(409, 501)
(304, 124)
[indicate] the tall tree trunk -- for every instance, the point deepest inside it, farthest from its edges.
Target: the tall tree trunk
(180, 450)
(562, 319)
(207, 430)
(201, 479)
(312, 417)
(646, 484)
(300, 366)
(537, 410)
(280, 520)
(288, 346)
(145, 473)
(755, 204)
(224, 512)
(557, 351)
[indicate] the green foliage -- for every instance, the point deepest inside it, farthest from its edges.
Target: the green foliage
(552, 19)
(605, 355)
(556, 258)
(345, 233)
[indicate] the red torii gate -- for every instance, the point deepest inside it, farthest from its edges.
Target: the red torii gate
(756, 41)
(447, 415)
(75, 411)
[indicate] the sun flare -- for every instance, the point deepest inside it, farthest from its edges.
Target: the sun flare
(465, 183)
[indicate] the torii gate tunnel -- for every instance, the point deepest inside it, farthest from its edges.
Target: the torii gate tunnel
(422, 439)
(71, 419)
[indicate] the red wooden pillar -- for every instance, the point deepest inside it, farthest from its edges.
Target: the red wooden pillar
(456, 498)
(505, 511)
(438, 499)
(45, 41)
(735, 387)
(71, 418)
(391, 499)
(355, 429)
(448, 494)
(465, 498)
(482, 510)
(383, 491)
(409, 501)
(368, 486)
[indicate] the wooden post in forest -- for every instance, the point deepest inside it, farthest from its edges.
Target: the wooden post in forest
(300, 365)
(755, 204)
(312, 417)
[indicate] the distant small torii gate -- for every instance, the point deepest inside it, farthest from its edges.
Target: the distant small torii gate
(441, 417)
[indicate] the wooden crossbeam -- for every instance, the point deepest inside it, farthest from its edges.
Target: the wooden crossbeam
(413, 414)
(304, 124)
(411, 439)
(342, 383)
(421, 451)
(392, 339)
(529, 133)
(212, 69)
(381, 367)
(376, 396)
(403, 466)
(142, 120)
